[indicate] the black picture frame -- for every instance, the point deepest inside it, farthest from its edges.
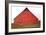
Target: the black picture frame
(23, 2)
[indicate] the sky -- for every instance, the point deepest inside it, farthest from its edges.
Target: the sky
(16, 9)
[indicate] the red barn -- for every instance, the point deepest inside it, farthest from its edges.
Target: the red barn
(25, 19)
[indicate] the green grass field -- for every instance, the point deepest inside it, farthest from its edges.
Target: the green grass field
(37, 25)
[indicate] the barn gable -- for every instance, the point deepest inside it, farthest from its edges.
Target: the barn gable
(25, 18)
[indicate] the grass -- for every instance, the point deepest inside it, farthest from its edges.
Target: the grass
(37, 25)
